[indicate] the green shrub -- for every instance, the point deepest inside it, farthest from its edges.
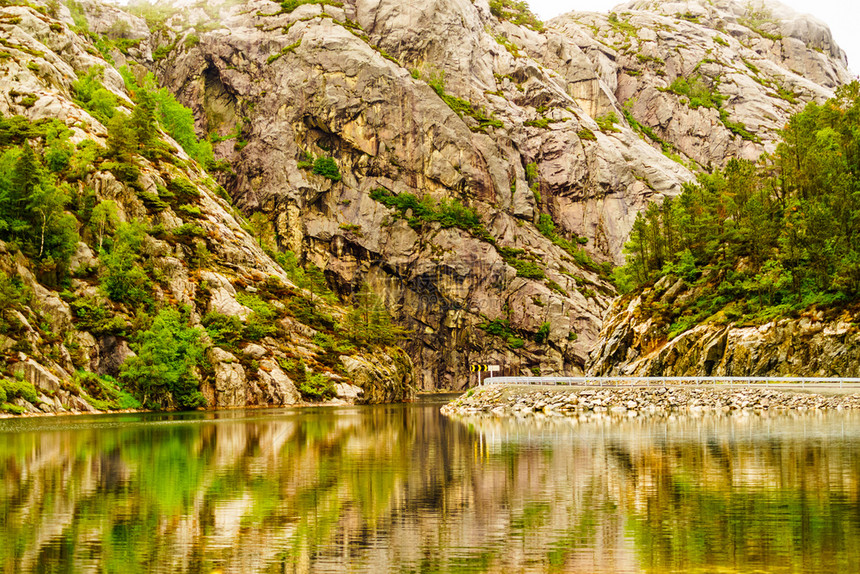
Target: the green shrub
(14, 389)
(183, 190)
(542, 123)
(94, 315)
(316, 386)
(12, 409)
(607, 122)
(326, 167)
(123, 279)
(698, 92)
(308, 312)
(527, 269)
(104, 393)
(164, 371)
(502, 328)
(230, 332)
(152, 201)
(188, 231)
(449, 213)
(257, 328)
(126, 172)
(13, 293)
(586, 134)
(542, 335)
(189, 210)
(260, 308)
(90, 93)
(515, 11)
(225, 331)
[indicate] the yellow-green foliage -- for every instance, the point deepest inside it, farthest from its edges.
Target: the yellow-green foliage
(516, 12)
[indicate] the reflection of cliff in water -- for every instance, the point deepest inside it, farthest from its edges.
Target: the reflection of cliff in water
(402, 488)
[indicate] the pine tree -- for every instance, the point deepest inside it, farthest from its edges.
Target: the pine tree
(143, 122)
(122, 140)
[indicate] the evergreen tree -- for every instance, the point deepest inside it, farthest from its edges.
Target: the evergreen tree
(764, 239)
(368, 322)
(143, 122)
(164, 370)
(122, 140)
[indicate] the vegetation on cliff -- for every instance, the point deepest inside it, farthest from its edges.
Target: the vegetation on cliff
(762, 240)
(112, 250)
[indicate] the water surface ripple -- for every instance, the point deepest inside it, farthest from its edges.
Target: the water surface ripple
(400, 488)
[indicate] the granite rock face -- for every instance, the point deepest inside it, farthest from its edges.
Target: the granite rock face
(759, 61)
(553, 137)
(443, 100)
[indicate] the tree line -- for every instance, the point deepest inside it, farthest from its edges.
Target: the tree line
(764, 239)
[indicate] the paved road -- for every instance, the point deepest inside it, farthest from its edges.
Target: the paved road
(664, 381)
(821, 389)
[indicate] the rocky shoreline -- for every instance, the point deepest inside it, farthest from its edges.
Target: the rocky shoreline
(632, 401)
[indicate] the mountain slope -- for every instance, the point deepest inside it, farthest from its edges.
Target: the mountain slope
(710, 80)
(536, 130)
(118, 250)
(756, 269)
(479, 170)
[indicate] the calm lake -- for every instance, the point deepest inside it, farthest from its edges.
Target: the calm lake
(400, 488)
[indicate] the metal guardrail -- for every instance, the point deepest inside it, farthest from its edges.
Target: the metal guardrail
(662, 381)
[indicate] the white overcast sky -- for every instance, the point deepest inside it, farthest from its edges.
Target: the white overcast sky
(843, 17)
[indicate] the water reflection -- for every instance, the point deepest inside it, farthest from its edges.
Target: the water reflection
(403, 489)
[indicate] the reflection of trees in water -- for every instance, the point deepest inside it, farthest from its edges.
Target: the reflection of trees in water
(372, 487)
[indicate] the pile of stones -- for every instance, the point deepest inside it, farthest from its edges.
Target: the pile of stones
(505, 401)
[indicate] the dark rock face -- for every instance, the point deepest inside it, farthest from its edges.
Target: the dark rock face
(113, 352)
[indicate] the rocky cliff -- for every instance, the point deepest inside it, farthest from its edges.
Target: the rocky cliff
(634, 342)
(476, 168)
(150, 232)
(554, 135)
(710, 80)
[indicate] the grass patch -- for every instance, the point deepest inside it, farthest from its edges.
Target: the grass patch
(463, 108)
(607, 122)
(288, 6)
(623, 26)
